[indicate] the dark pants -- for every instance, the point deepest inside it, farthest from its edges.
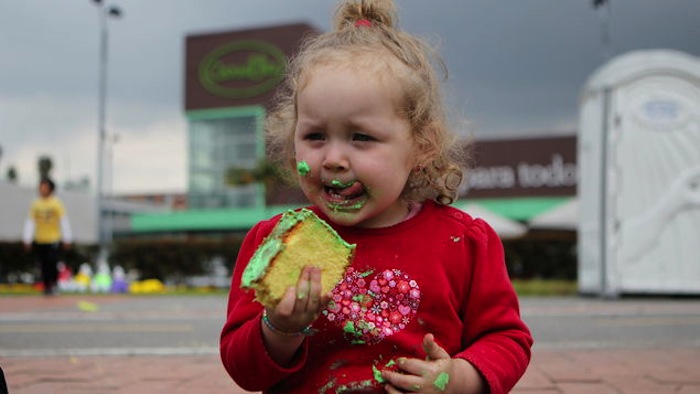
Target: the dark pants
(3, 383)
(48, 256)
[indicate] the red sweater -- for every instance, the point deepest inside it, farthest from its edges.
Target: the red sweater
(440, 272)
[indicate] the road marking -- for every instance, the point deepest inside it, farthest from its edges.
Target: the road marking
(649, 321)
(92, 327)
(100, 316)
(168, 351)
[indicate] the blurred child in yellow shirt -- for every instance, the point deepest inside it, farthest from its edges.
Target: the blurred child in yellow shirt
(46, 231)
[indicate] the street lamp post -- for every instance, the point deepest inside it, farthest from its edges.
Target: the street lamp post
(105, 12)
(112, 140)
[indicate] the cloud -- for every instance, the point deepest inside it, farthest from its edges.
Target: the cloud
(149, 154)
(152, 159)
(42, 125)
(514, 69)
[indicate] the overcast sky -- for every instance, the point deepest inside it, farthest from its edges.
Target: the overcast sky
(516, 68)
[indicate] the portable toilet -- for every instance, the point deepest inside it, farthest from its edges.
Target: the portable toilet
(639, 187)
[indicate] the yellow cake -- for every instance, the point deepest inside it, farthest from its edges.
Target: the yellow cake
(299, 239)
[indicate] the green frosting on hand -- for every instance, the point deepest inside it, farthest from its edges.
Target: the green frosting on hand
(377, 374)
(441, 381)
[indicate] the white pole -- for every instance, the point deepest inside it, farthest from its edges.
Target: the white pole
(102, 231)
(101, 116)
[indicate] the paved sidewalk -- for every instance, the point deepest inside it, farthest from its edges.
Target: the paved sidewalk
(671, 369)
(652, 371)
(551, 371)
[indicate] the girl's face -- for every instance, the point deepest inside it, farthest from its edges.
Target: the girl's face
(353, 149)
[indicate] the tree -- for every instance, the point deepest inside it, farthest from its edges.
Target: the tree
(12, 175)
(45, 165)
(265, 172)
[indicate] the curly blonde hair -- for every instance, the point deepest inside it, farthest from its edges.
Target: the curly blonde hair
(377, 46)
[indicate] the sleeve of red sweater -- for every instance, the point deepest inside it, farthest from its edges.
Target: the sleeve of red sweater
(241, 346)
(499, 342)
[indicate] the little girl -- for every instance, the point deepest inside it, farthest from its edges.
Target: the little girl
(427, 305)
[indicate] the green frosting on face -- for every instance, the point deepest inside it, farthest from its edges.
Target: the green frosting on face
(341, 185)
(345, 207)
(341, 207)
(441, 381)
(303, 168)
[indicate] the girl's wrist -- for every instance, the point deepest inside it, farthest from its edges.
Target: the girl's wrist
(305, 332)
(468, 378)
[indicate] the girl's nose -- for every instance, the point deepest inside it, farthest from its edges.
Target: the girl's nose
(335, 158)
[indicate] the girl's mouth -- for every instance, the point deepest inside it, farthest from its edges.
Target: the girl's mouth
(344, 195)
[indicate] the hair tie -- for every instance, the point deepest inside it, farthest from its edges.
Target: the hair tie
(363, 23)
(305, 332)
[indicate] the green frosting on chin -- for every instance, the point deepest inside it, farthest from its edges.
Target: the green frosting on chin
(340, 207)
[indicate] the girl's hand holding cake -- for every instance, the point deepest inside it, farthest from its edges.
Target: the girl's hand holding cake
(300, 306)
(286, 324)
(299, 240)
(293, 273)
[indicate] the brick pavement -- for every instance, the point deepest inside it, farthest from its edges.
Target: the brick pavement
(603, 371)
(674, 370)
(117, 374)
(551, 371)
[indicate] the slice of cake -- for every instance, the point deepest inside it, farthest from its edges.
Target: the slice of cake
(299, 239)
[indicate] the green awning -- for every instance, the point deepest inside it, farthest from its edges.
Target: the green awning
(517, 208)
(242, 219)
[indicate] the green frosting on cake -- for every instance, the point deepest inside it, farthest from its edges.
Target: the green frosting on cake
(270, 247)
(261, 259)
(273, 244)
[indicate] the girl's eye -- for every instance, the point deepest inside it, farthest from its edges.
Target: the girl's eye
(313, 137)
(362, 137)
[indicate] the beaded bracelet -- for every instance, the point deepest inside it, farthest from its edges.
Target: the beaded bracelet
(306, 332)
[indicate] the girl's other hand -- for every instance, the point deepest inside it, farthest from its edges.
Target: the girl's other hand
(439, 373)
